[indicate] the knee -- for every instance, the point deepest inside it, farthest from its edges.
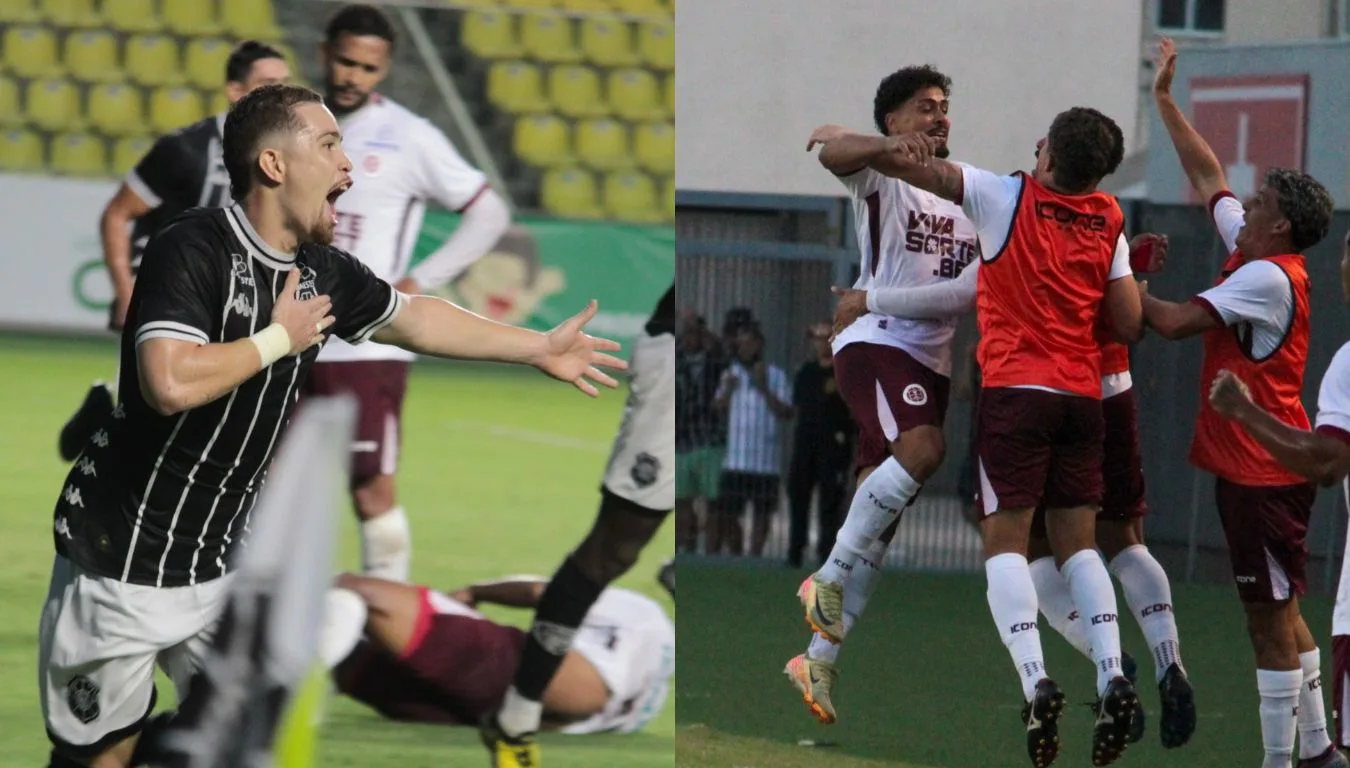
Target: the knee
(374, 496)
(921, 451)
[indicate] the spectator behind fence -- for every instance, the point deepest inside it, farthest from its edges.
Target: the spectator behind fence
(700, 429)
(755, 396)
(822, 448)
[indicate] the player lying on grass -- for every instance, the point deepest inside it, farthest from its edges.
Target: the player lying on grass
(415, 654)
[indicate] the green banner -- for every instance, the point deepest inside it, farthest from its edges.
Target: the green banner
(545, 270)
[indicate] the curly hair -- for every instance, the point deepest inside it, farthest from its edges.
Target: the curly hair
(1086, 146)
(1304, 202)
(901, 85)
(360, 20)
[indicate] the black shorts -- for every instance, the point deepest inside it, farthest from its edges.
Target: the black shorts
(735, 489)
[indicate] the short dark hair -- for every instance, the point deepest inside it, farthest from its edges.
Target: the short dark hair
(901, 85)
(244, 56)
(360, 20)
(1086, 146)
(261, 113)
(1304, 202)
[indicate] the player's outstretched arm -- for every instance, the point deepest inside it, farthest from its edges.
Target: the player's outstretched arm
(940, 301)
(1198, 160)
(432, 326)
(513, 592)
(1318, 456)
(1175, 320)
(908, 157)
(844, 152)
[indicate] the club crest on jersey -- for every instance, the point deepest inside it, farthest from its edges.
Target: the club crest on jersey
(371, 163)
(308, 287)
(915, 394)
(645, 469)
(241, 270)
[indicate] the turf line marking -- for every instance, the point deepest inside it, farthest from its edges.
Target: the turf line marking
(530, 436)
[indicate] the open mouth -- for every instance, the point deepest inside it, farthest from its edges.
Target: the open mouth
(333, 195)
(940, 134)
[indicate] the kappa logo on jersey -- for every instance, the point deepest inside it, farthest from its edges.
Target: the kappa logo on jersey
(241, 305)
(308, 288)
(915, 394)
(936, 235)
(645, 469)
(82, 698)
(241, 271)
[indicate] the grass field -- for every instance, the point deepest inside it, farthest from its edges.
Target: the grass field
(500, 475)
(925, 681)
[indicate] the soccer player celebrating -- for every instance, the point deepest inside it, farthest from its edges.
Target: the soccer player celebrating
(182, 170)
(225, 321)
(401, 160)
(1255, 323)
(893, 372)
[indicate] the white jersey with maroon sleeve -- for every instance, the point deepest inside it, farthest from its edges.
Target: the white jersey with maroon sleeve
(908, 238)
(399, 162)
(1333, 419)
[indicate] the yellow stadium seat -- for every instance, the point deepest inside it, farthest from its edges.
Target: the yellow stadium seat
(479, 3)
(587, 6)
(220, 103)
(607, 42)
(250, 19)
(670, 94)
(603, 144)
(19, 12)
(631, 196)
(11, 113)
(21, 151)
(91, 56)
(79, 154)
(530, 5)
(153, 60)
(191, 18)
(134, 16)
(645, 8)
(116, 110)
(53, 104)
(128, 152)
(656, 43)
(204, 61)
(654, 146)
(31, 52)
(174, 107)
(516, 86)
(490, 35)
(75, 14)
(575, 91)
(542, 141)
(548, 37)
(633, 95)
(570, 192)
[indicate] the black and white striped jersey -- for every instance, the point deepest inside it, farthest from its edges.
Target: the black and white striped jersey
(162, 500)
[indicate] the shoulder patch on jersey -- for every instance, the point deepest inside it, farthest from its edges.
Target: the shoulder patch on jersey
(915, 394)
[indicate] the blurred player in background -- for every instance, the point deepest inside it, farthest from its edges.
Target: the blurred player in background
(418, 655)
(637, 495)
(1255, 322)
(182, 170)
(400, 160)
(894, 373)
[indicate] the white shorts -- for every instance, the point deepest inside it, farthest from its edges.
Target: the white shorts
(642, 465)
(630, 641)
(98, 644)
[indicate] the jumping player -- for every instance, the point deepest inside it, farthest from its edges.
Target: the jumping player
(1255, 322)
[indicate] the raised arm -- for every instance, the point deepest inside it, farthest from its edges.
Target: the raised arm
(1202, 167)
(513, 592)
(908, 157)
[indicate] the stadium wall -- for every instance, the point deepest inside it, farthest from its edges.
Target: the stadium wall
(785, 66)
(542, 272)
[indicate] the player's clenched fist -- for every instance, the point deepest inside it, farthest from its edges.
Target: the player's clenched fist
(1228, 393)
(304, 320)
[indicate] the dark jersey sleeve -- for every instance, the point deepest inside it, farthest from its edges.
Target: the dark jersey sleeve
(178, 293)
(362, 302)
(159, 175)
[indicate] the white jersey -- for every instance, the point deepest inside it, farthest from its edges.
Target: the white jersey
(1333, 417)
(908, 238)
(399, 161)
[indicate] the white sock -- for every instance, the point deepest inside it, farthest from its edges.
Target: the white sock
(1313, 739)
(1149, 595)
(519, 715)
(1052, 592)
(386, 546)
(1012, 601)
(877, 503)
(344, 621)
(1093, 593)
(1279, 713)
(857, 591)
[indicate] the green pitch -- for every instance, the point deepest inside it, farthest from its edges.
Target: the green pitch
(925, 681)
(500, 475)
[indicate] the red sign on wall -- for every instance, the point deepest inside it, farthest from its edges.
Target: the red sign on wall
(1253, 123)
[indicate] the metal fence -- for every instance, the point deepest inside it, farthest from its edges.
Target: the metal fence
(777, 257)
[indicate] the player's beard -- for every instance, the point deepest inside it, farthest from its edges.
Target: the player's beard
(943, 151)
(340, 110)
(322, 231)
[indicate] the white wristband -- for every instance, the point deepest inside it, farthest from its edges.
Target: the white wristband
(273, 343)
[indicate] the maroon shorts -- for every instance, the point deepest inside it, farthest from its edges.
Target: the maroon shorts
(1267, 531)
(379, 386)
(1038, 447)
(1340, 688)
(455, 670)
(888, 392)
(1122, 468)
